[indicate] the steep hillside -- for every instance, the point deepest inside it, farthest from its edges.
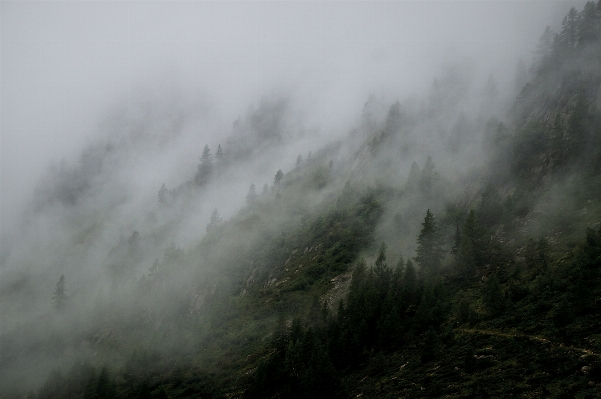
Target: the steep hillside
(438, 251)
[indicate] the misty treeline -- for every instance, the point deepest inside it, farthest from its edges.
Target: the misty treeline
(445, 247)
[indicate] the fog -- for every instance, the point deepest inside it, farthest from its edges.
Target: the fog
(104, 102)
(64, 64)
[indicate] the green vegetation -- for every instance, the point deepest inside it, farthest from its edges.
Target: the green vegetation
(300, 298)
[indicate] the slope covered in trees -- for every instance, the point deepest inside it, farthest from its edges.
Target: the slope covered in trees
(346, 278)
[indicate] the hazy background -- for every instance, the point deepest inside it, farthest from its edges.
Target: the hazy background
(65, 66)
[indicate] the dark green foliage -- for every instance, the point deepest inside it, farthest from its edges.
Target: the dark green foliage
(475, 248)
(298, 368)
(529, 143)
(491, 207)
(536, 254)
(429, 246)
(493, 296)
(509, 316)
(463, 311)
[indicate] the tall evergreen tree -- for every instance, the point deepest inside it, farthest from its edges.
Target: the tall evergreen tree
(251, 197)
(278, 177)
(456, 241)
(543, 49)
(491, 208)
(163, 195)
(413, 178)
(205, 167)
(428, 177)
(393, 119)
(569, 29)
(214, 222)
(59, 297)
(589, 24)
(466, 253)
(492, 295)
(429, 246)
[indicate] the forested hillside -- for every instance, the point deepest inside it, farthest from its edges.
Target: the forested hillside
(440, 250)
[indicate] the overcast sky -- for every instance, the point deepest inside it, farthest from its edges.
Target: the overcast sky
(63, 64)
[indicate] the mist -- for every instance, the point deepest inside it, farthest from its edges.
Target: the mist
(103, 103)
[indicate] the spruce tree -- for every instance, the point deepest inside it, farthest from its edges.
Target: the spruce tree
(214, 222)
(59, 298)
(205, 167)
(429, 247)
(413, 178)
(163, 195)
(299, 161)
(428, 177)
(278, 177)
(251, 197)
(492, 295)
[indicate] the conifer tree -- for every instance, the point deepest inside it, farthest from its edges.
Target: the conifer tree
(163, 195)
(429, 246)
(393, 119)
(466, 253)
(251, 197)
(214, 222)
(205, 167)
(543, 49)
(569, 29)
(491, 208)
(413, 178)
(278, 177)
(381, 259)
(428, 177)
(59, 298)
(456, 241)
(589, 24)
(492, 295)
(409, 281)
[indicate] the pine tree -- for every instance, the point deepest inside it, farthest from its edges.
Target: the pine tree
(429, 247)
(569, 29)
(59, 298)
(543, 49)
(163, 195)
(278, 177)
(466, 253)
(381, 259)
(491, 208)
(428, 177)
(214, 222)
(205, 167)
(589, 24)
(409, 280)
(492, 295)
(219, 153)
(413, 178)
(251, 197)
(299, 161)
(393, 120)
